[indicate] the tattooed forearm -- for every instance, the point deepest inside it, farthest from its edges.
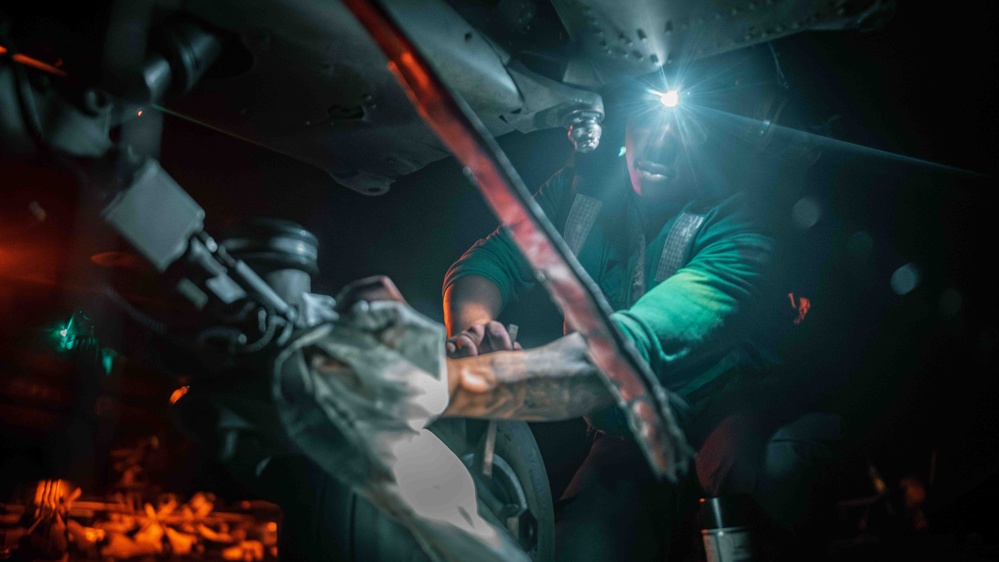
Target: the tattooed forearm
(554, 382)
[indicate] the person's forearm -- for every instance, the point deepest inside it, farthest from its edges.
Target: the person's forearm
(471, 300)
(550, 383)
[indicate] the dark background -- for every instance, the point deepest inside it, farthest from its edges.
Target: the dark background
(914, 373)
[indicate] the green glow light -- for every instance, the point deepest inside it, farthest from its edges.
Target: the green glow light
(79, 332)
(65, 335)
(67, 339)
(107, 359)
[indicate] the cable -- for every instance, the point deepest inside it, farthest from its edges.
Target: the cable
(781, 78)
(135, 314)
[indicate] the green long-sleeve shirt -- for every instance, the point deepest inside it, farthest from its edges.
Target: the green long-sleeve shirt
(695, 328)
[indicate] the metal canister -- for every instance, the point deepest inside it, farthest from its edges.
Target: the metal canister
(726, 530)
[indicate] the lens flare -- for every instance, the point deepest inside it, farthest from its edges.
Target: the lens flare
(670, 98)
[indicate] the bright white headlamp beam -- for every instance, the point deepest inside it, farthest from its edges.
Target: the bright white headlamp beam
(670, 98)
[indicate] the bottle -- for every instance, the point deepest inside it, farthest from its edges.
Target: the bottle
(726, 530)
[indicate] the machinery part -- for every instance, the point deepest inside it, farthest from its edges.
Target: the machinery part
(269, 244)
(638, 392)
(283, 253)
(191, 50)
(614, 40)
(485, 451)
(549, 104)
(75, 118)
(164, 225)
(520, 475)
(499, 489)
(40, 122)
(351, 103)
(345, 101)
(142, 64)
(344, 98)
(155, 215)
(502, 493)
(584, 130)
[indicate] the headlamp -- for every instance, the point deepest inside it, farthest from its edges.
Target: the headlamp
(670, 98)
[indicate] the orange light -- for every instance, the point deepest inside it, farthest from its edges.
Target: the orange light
(803, 305)
(415, 70)
(119, 260)
(178, 394)
(34, 63)
(139, 114)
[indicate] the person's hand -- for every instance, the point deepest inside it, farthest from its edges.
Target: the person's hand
(482, 338)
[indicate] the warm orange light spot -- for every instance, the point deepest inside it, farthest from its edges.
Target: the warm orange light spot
(119, 260)
(415, 70)
(178, 394)
(802, 305)
(272, 526)
(34, 63)
(140, 113)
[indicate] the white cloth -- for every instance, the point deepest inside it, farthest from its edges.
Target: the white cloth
(374, 380)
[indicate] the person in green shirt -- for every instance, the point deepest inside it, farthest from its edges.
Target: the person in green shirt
(687, 262)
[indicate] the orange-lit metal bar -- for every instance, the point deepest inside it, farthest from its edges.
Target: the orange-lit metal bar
(34, 63)
(639, 392)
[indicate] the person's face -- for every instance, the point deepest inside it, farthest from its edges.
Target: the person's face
(659, 162)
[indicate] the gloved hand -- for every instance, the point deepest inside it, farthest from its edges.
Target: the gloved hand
(480, 339)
